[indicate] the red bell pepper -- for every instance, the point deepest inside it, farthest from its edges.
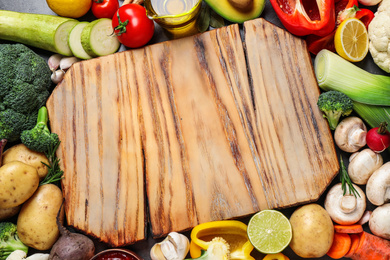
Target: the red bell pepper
(304, 17)
(365, 15)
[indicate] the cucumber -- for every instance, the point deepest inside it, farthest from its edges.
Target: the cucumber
(47, 32)
(98, 39)
(74, 41)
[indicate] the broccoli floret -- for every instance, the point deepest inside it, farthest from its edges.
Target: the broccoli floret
(39, 138)
(218, 249)
(334, 104)
(9, 240)
(24, 88)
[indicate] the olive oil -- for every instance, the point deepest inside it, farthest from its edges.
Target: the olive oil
(177, 17)
(172, 7)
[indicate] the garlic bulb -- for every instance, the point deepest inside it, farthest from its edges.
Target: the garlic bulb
(57, 76)
(174, 247)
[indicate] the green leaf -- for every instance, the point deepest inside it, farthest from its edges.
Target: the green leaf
(203, 22)
(216, 21)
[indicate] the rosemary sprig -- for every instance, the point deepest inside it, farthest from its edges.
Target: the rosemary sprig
(346, 181)
(55, 173)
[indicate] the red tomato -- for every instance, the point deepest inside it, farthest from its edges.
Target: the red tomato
(104, 8)
(132, 26)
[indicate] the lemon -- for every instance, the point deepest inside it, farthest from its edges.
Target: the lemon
(70, 8)
(351, 40)
(269, 231)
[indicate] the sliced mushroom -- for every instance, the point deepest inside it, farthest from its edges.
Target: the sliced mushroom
(350, 134)
(363, 164)
(345, 209)
(380, 221)
(378, 186)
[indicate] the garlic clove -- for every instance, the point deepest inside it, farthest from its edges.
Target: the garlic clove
(54, 61)
(57, 76)
(66, 62)
(174, 247)
(156, 253)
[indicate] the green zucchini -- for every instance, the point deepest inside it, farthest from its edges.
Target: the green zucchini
(98, 39)
(47, 32)
(74, 41)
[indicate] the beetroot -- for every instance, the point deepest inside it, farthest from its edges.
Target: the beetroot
(70, 245)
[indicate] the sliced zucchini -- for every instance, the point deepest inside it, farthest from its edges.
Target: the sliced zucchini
(97, 38)
(74, 41)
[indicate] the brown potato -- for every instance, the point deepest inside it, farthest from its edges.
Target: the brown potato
(312, 231)
(37, 227)
(21, 153)
(8, 213)
(18, 182)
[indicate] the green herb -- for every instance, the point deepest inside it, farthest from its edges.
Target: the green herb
(216, 21)
(203, 22)
(55, 173)
(346, 181)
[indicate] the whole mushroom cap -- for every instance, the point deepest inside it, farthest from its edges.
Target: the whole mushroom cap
(378, 186)
(345, 209)
(380, 221)
(363, 164)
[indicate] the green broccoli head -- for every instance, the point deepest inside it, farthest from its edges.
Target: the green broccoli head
(9, 240)
(39, 138)
(334, 104)
(24, 88)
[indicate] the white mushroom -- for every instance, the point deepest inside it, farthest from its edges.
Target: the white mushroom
(350, 134)
(378, 186)
(174, 247)
(345, 209)
(380, 221)
(363, 164)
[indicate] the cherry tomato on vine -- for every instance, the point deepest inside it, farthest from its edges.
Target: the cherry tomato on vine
(104, 8)
(132, 26)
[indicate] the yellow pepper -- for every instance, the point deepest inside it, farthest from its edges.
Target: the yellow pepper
(233, 231)
(278, 256)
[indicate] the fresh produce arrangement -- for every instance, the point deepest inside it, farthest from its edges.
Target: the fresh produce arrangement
(354, 101)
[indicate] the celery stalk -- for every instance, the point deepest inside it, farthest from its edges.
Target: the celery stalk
(335, 73)
(373, 115)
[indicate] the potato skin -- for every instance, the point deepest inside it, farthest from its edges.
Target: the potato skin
(312, 231)
(8, 213)
(36, 224)
(21, 153)
(18, 182)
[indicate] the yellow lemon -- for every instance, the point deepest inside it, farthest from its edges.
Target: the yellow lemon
(351, 40)
(70, 8)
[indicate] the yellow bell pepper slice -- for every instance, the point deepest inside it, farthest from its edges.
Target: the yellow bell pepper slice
(233, 231)
(278, 256)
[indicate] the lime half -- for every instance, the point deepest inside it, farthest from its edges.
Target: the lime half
(269, 231)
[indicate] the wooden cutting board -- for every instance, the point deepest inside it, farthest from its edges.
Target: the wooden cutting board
(203, 128)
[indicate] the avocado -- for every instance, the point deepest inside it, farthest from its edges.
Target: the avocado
(227, 9)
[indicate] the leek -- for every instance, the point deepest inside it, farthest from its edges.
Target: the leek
(372, 115)
(335, 73)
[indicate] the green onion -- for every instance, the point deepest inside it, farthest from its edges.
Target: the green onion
(335, 73)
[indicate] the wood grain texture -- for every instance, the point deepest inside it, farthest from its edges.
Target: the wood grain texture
(95, 113)
(207, 127)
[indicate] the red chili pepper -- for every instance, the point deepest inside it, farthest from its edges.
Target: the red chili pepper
(365, 15)
(304, 17)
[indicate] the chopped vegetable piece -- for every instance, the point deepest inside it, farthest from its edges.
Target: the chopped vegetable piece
(348, 229)
(340, 246)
